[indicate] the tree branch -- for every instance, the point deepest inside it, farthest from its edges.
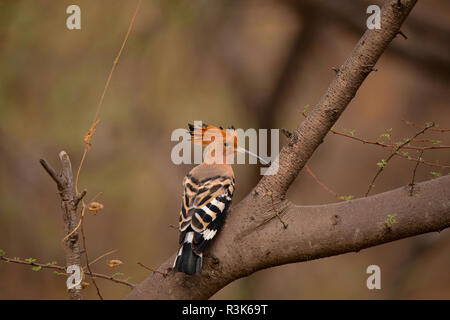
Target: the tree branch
(313, 232)
(311, 132)
(69, 202)
(63, 269)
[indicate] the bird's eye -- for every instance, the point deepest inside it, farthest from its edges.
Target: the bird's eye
(225, 144)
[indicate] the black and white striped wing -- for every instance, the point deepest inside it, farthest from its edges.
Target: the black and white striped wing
(204, 209)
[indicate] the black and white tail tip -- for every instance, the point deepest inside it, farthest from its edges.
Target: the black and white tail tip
(187, 260)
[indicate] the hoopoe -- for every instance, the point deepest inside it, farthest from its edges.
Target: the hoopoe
(207, 196)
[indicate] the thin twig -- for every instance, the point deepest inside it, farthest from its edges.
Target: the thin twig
(76, 228)
(431, 164)
(411, 190)
(100, 257)
(320, 183)
(377, 143)
(61, 268)
(412, 124)
(80, 197)
(276, 212)
(385, 145)
(52, 173)
(88, 137)
(393, 154)
(152, 270)
(402, 34)
(102, 97)
(87, 262)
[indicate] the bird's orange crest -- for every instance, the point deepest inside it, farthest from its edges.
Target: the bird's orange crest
(206, 134)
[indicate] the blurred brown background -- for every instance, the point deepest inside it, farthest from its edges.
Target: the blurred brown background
(253, 64)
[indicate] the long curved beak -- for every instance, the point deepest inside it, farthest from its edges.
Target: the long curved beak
(242, 150)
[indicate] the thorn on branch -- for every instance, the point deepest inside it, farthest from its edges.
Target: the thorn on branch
(286, 132)
(402, 34)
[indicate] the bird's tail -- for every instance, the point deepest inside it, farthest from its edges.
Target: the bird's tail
(187, 260)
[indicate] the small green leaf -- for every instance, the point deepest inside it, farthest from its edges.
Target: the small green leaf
(382, 163)
(117, 274)
(436, 174)
(59, 273)
(305, 108)
(2, 253)
(435, 142)
(30, 260)
(385, 135)
(346, 198)
(51, 263)
(37, 268)
(390, 220)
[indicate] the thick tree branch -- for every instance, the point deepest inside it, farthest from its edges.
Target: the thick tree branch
(253, 239)
(250, 243)
(311, 132)
(69, 202)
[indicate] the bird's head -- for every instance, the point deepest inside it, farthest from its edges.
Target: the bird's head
(218, 141)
